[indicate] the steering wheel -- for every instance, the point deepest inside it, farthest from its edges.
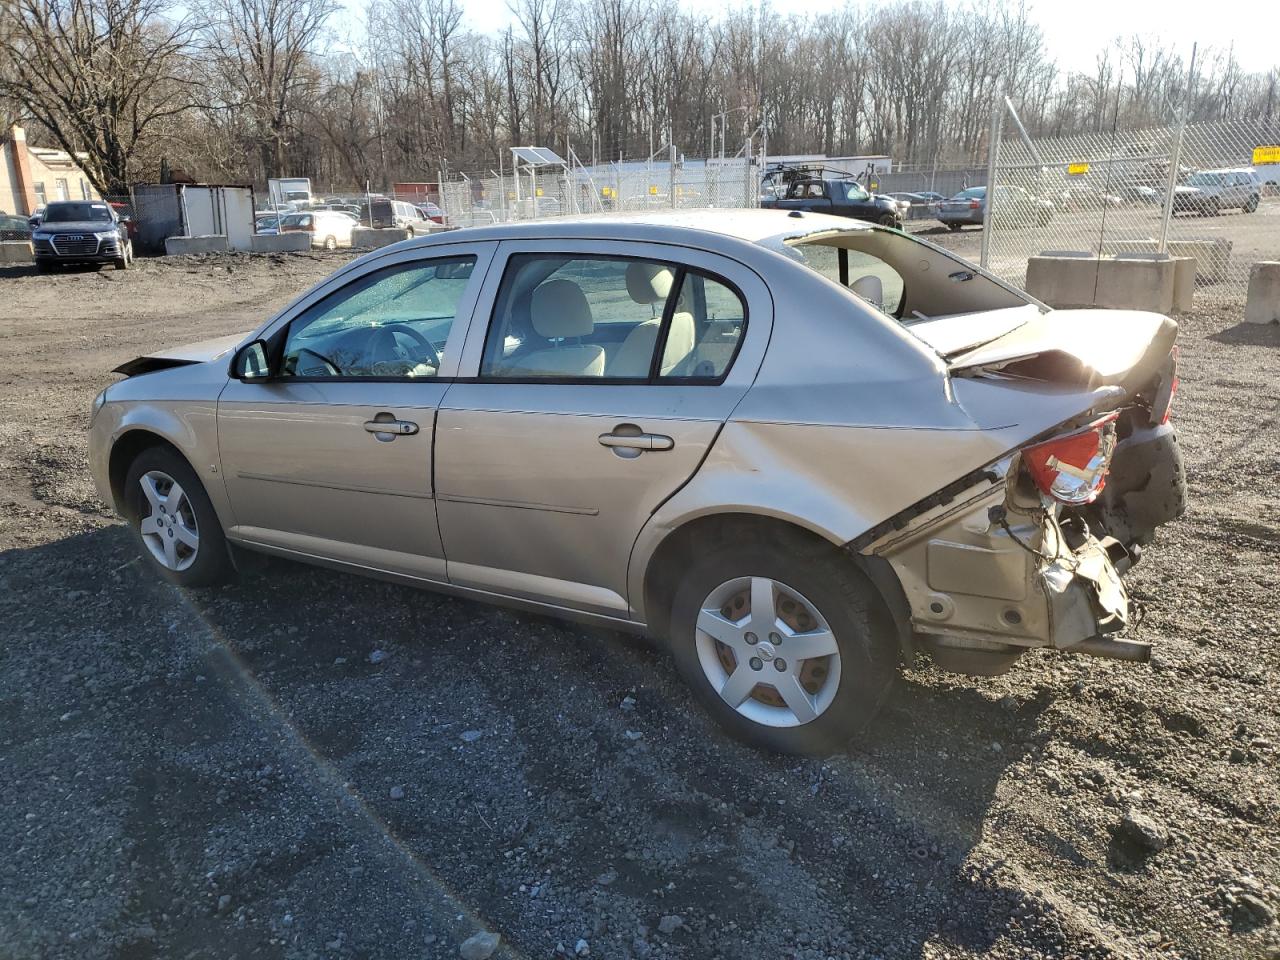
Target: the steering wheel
(383, 346)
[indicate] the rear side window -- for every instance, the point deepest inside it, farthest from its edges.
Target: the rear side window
(610, 318)
(869, 277)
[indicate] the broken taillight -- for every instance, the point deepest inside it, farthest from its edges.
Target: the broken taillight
(1073, 469)
(1166, 398)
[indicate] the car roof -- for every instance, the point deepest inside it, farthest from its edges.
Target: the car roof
(767, 228)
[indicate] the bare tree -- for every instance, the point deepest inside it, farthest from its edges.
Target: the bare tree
(100, 76)
(260, 54)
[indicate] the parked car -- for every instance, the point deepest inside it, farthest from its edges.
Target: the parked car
(798, 447)
(267, 225)
(916, 206)
(1209, 192)
(431, 211)
(14, 228)
(1085, 197)
(383, 213)
(1014, 206)
(33, 221)
(844, 198)
(328, 228)
(81, 231)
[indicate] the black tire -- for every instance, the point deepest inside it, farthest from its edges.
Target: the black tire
(955, 226)
(1252, 205)
(822, 574)
(42, 267)
(331, 243)
(889, 220)
(212, 564)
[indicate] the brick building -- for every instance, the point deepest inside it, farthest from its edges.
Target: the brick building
(31, 176)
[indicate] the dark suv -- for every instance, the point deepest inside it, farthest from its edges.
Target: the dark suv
(81, 231)
(844, 198)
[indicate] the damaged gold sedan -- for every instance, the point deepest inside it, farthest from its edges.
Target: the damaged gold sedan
(802, 449)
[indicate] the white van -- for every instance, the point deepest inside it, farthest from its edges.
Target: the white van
(329, 229)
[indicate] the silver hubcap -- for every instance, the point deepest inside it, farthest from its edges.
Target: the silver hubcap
(169, 527)
(768, 652)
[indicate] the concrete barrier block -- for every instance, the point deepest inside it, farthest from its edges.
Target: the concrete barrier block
(280, 242)
(1062, 281)
(1184, 284)
(1263, 305)
(15, 251)
(1135, 284)
(1211, 255)
(211, 243)
(368, 238)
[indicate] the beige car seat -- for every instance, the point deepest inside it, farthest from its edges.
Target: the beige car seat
(649, 283)
(559, 310)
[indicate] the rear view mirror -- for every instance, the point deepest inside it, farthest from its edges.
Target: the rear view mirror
(251, 362)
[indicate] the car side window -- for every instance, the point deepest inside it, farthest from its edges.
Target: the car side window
(393, 322)
(607, 319)
(707, 322)
(577, 316)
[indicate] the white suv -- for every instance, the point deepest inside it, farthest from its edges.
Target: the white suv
(1209, 192)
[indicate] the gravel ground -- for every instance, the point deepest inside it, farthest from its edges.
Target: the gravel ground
(308, 764)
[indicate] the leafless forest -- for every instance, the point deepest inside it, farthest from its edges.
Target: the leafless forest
(240, 90)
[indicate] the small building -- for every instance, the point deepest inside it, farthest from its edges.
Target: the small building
(31, 176)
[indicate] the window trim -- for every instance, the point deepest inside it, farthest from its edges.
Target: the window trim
(653, 379)
(282, 333)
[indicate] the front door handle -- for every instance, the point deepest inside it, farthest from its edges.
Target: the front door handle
(637, 441)
(391, 428)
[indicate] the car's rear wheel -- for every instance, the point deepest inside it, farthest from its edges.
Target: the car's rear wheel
(954, 226)
(1252, 205)
(776, 641)
(331, 243)
(175, 523)
(888, 220)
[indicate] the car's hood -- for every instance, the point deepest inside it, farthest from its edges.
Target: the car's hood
(77, 226)
(200, 352)
(1093, 347)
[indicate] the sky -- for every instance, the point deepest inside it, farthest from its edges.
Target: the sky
(1075, 30)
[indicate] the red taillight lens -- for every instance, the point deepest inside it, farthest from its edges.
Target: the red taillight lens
(974, 204)
(1073, 469)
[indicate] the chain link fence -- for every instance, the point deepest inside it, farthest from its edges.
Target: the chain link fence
(626, 186)
(1190, 190)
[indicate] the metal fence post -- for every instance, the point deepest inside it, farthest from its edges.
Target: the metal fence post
(671, 188)
(746, 176)
(993, 148)
(1175, 159)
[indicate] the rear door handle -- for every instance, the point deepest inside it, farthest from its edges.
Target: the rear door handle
(393, 428)
(637, 441)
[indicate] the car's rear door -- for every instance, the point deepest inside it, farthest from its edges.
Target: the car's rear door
(585, 400)
(331, 457)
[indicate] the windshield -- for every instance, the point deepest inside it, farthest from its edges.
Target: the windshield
(76, 212)
(1205, 179)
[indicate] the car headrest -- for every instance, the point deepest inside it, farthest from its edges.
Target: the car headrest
(559, 308)
(869, 288)
(648, 282)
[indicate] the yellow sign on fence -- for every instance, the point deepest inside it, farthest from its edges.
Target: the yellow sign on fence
(1268, 154)
(1077, 169)
(653, 191)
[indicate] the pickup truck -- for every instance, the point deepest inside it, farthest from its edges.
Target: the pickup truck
(843, 198)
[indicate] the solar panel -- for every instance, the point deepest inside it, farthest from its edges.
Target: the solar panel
(537, 156)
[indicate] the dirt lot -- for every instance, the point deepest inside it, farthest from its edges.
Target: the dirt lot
(307, 764)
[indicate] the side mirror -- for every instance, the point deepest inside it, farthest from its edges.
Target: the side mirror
(125, 218)
(251, 362)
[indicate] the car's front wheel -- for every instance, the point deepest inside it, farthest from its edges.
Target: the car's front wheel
(1252, 204)
(125, 259)
(175, 523)
(954, 226)
(331, 243)
(776, 641)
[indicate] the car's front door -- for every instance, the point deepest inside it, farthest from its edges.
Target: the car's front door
(331, 456)
(594, 391)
